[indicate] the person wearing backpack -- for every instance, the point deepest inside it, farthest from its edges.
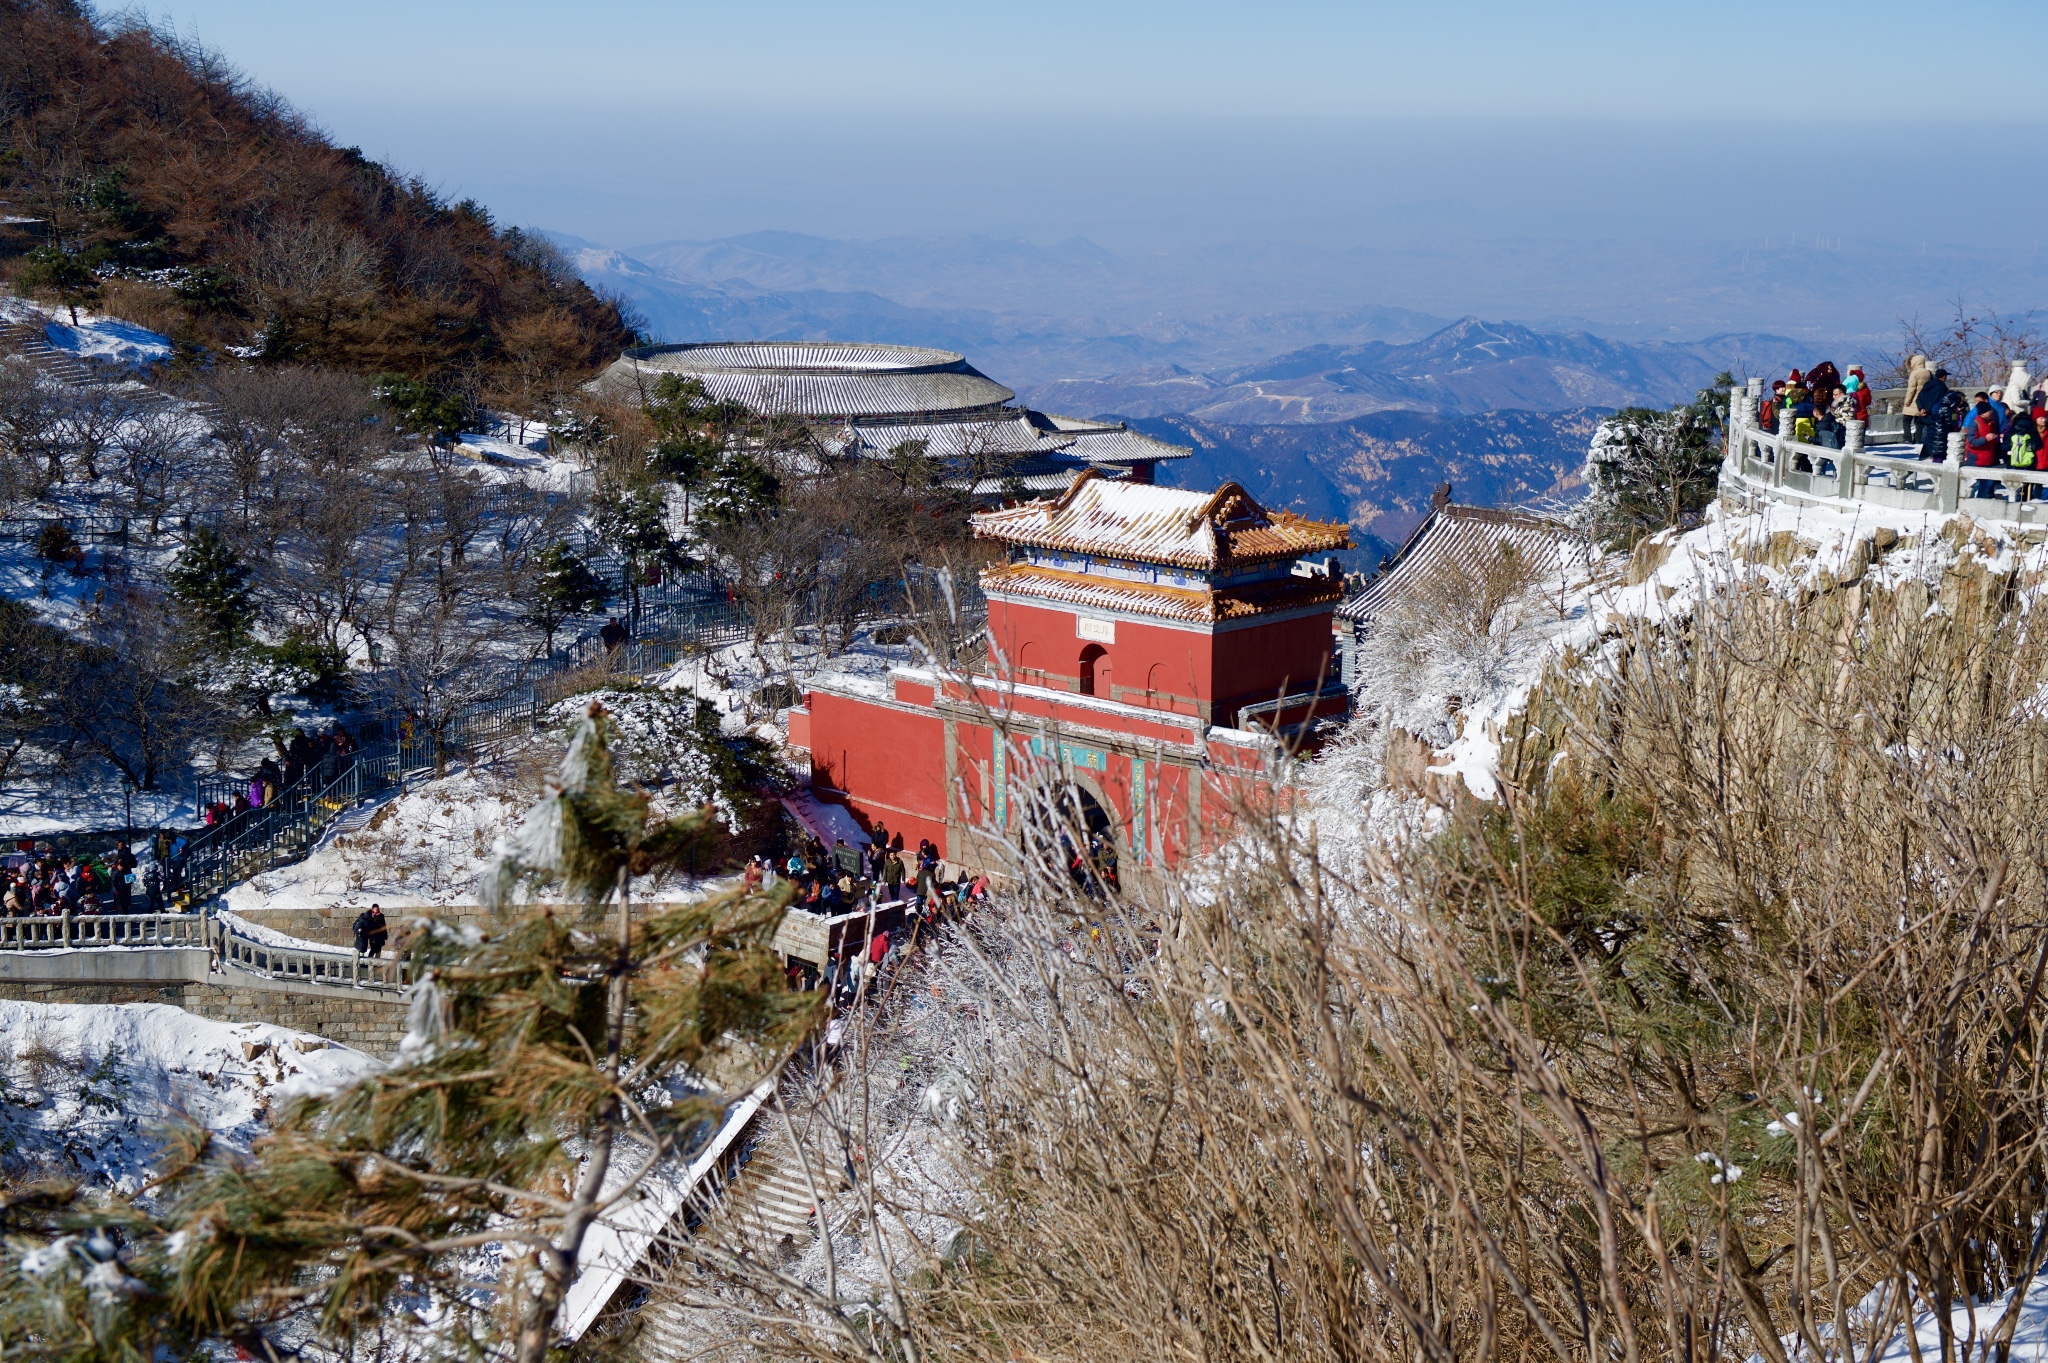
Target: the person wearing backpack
(362, 931)
(2023, 450)
(1933, 413)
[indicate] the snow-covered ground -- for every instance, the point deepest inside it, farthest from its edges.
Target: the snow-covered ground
(731, 677)
(1782, 545)
(85, 1089)
(1785, 546)
(418, 850)
(97, 336)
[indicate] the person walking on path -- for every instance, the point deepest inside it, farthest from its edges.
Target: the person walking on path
(379, 934)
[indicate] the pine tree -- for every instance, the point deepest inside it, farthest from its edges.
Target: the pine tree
(631, 520)
(563, 585)
(740, 489)
(692, 430)
(1649, 469)
(210, 583)
(516, 1093)
(54, 272)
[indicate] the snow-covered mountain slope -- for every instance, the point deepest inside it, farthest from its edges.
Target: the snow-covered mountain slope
(86, 1090)
(1459, 697)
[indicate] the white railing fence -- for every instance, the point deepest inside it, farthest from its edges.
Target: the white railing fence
(230, 950)
(1886, 475)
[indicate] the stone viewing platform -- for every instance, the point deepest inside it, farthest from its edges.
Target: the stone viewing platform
(1878, 464)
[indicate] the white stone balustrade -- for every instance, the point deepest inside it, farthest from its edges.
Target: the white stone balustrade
(231, 950)
(1761, 464)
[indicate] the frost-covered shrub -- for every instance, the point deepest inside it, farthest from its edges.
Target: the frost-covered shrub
(1452, 638)
(1647, 469)
(670, 742)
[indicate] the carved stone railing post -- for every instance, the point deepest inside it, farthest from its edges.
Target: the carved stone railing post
(1852, 439)
(1952, 473)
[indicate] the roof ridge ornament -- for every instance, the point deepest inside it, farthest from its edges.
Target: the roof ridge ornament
(1216, 503)
(1066, 499)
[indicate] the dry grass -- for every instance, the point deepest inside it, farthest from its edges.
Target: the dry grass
(1764, 895)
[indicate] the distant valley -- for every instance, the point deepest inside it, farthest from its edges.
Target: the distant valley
(1377, 472)
(1469, 366)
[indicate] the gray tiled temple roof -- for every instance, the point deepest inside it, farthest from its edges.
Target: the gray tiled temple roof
(1462, 539)
(820, 379)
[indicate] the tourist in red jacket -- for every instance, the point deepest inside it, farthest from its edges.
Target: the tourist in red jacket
(1981, 440)
(1859, 392)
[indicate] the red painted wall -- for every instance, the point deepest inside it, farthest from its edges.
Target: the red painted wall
(1041, 639)
(890, 761)
(1236, 667)
(1256, 664)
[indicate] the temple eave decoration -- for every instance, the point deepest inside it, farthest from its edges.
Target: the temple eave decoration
(1191, 605)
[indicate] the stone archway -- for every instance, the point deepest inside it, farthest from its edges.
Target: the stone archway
(1072, 829)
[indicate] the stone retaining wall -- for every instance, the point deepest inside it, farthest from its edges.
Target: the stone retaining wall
(368, 1022)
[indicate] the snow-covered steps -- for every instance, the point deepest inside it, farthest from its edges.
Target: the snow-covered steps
(33, 342)
(770, 1199)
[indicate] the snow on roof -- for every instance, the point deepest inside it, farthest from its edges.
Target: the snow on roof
(1012, 432)
(819, 379)
(1464, 539)
(1140, 522)
(830, 824)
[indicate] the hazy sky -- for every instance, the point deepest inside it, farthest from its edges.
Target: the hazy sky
(1571, 58)
(1187, 128)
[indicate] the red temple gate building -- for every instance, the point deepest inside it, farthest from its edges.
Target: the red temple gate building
(1151, 650)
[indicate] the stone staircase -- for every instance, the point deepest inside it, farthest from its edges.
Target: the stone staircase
(769, 1205)
(770, 1200)
(29, 339)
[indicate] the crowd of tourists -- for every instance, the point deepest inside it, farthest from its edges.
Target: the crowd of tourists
(1821, 402)
(2000, 428)
(902, 896)
(322, 754)
(48, 885)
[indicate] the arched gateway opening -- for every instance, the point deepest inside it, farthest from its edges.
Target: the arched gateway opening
(1071, 835)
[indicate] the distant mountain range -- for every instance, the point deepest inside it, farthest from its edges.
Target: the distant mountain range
(700, 294)
(1377, 471)
(1285, 368)
(1352, 416)
(1469, 366)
